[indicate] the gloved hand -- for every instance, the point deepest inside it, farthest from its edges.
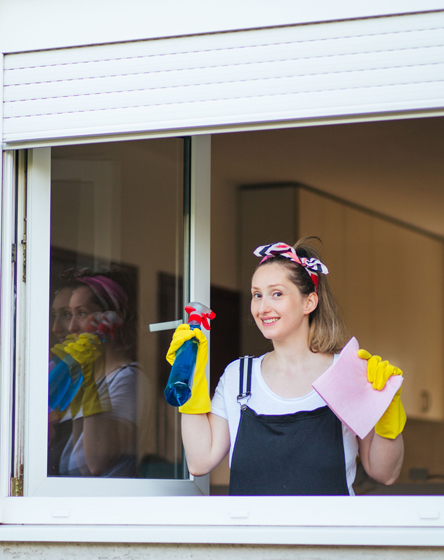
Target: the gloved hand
(59, 349)
(199, 402)
(85, 349)
(392, 422)
(88, 351)
(65, 377)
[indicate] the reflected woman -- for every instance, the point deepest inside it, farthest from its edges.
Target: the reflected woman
(59, 422)
(102, 340)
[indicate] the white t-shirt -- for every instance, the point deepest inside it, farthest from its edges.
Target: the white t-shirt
(120, 387)
(264, 401)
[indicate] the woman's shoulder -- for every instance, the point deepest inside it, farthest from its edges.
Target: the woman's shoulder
(124, 372)
(232, 371)
(235, 364)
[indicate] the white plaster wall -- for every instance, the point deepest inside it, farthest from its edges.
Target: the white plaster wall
(85, 551)
(30, 25)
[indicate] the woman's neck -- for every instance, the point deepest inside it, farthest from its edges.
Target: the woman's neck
(291, 368)
(115, 359)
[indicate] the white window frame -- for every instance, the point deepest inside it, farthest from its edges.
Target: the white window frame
(32, 311)
(381, 520)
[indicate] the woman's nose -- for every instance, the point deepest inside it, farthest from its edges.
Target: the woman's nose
(56, 326)
(73, 326)
(264, 305)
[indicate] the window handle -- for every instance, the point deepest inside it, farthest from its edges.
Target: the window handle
(166, 326)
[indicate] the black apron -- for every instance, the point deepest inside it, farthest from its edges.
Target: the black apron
(300, 454)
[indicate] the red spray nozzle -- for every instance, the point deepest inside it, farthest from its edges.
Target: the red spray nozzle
(199, 314)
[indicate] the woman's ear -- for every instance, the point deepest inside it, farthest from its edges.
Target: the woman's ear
(311, 302)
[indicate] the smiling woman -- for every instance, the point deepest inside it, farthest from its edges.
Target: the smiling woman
(283, 439)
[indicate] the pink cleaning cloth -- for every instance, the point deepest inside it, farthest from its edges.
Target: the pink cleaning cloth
(345, 389)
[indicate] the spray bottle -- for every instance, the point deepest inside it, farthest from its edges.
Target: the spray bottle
(180, 381)
(65, 378)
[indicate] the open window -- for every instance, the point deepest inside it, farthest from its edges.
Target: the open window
(122, 214)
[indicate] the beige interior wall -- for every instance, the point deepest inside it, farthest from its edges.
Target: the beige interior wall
(224, 209)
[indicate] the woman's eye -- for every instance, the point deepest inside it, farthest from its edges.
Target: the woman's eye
(277, 294)
(256, 295)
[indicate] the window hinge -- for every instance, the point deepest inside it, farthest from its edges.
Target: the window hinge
(14, 253)
(24, 257)
(17, 484)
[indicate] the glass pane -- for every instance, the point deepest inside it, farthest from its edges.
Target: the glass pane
(116, 267)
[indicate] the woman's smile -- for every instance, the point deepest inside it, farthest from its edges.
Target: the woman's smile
(269, 321)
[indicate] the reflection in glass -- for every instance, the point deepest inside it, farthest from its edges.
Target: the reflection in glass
(116, 225)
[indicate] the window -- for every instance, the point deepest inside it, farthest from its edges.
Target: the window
(81, 500)
(120, 215)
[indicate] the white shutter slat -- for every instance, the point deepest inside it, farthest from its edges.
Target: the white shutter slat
(246, 88)
(278, 68)
(290, 73)
(229, 56)
(273, 107)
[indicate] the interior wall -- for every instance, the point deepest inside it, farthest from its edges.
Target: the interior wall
(224, 234)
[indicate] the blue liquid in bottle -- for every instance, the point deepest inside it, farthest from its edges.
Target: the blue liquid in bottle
(65, 378)
(178, 389)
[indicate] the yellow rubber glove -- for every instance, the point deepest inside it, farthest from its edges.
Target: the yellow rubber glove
(59, 349)
(392, 422)
(199, 402)
(88, 351)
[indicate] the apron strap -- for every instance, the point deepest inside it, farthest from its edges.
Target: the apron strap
(245, 369)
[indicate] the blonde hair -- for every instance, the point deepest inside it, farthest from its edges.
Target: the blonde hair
(327, 332)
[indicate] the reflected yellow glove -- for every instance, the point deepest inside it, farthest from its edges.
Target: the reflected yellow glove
(392, 422)
(199, 402)
(59, 349)
(88, 351)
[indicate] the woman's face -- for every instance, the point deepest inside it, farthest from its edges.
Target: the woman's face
(61, 314)
(82, 306)
(278, 307)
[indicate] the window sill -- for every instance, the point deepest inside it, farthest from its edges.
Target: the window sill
(367, 536)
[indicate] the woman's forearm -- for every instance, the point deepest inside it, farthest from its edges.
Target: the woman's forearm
(382, 457)
(206, 440)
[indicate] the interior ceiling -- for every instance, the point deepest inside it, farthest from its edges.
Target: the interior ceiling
(393, 167)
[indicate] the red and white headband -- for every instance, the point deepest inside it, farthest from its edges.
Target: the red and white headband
(312, 266)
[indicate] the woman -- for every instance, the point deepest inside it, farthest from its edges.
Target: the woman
(102, 340)
(281, 436)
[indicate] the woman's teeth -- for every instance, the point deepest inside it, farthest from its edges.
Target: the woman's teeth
(269, 321)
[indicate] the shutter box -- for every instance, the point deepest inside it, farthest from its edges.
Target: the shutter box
(340, 69)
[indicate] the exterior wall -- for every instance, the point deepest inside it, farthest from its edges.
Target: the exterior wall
(26, 26)
(86, 551)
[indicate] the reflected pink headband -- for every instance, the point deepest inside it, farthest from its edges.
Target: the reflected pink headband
(312, 266)
(106, 291)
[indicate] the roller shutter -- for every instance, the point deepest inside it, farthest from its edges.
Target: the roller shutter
(356, 67)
